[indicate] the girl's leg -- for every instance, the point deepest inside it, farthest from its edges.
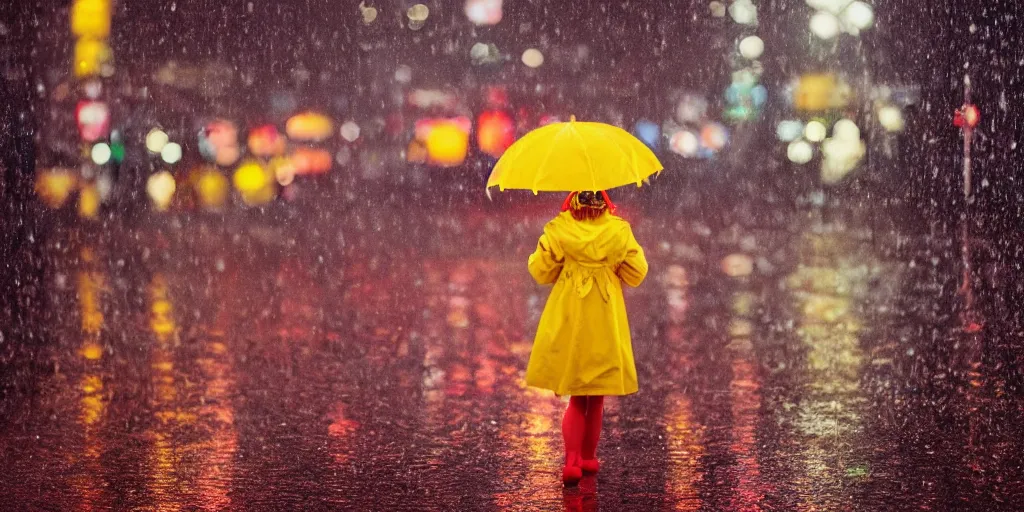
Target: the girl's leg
(573, 431)
(594, 416)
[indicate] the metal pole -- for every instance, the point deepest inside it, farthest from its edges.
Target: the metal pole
(968, 135)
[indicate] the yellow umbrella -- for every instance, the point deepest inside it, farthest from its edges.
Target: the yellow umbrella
(573, 156)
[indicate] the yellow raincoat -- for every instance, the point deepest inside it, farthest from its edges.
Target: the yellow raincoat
(583, 345)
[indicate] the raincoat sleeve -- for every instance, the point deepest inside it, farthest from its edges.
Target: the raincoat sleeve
(546, 262)
(633, 269)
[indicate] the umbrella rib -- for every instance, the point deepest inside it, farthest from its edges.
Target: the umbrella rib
(590, 164)
(544, 163)
(632, 152)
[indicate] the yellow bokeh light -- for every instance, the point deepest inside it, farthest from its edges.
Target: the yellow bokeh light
(91, 351)
(250, 177)
(817, 92)
(254, 183)
(91, 18)
(447, 144)
(90, 57)
(91, 384)
(309, 126)
(89, 202)
(212, 188)
(55, 186)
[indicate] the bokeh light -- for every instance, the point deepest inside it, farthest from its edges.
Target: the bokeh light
(309, 127)
(691, 108)
(91, 57)
(789, 130)
(495, 132)
(648, 132)
(311, 161)
(824, 25)
(685, 143)
(841, 156)
(160, 187)
(800, 152)
(845, 129)
(815, 131)
(265, 141)
(403, 74)
(533, 58)
(54, 186)
(171, 153)
(369, 13)
(751, 47)
(859, 15)
(100, 153)
(249, 177)
(713, 136)
(93, 119)
(89, 202)
(483, 12)
(818, 92)
(447, 144)
(156, 139)
(717, 9)
(254, 183)
(219, 142)
(891, 118)
(91, 19)
(484, 53)
(212, 188)
(743, 12)
(737, 265)
(350, 131)
(418, 13)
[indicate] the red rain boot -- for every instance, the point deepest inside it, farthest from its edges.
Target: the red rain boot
(595, 414)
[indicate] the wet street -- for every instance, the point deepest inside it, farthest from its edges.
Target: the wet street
(374, 359)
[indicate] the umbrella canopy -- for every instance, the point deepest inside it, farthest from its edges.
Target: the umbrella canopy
(572, 156)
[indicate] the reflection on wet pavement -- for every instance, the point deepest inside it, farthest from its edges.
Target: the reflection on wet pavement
(207, 366)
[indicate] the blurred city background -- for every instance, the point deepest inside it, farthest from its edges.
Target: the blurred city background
(250, 262)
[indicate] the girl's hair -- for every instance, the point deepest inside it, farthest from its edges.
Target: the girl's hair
(588, 204)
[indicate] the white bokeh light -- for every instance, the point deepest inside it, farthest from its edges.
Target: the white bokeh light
(846, 129)
(800, 152)
(156, 139)
(743, 12)
(350, 131)
(815, 131)
(483, 12)
(684, 142)
(832, 6)
(100, 153)
(160, 187)
(859, 15)
(403, 74)
(824, 25)
(751, 47)
(171, 153)
(891, 118)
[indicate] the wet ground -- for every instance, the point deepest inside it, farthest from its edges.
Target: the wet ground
(373, 359)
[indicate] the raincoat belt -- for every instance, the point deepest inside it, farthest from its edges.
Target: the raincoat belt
(584, 276)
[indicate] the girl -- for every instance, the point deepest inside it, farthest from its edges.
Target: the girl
(583, 348)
